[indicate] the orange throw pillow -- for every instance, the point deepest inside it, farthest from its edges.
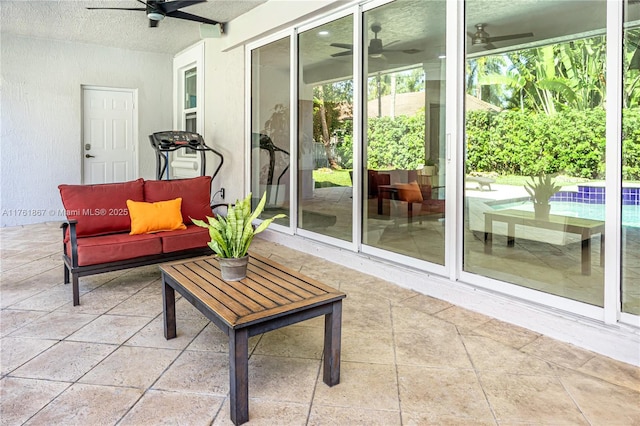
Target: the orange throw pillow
(147, 218)
(409, 192)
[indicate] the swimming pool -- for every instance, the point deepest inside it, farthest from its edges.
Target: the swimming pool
(630, 213)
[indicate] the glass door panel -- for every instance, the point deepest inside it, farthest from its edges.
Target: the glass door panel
(404, 155)
(631, 161)
(270, 127)
(535, 138)
(325, 141)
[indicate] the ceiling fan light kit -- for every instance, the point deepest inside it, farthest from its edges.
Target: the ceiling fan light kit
(157, 10)
(481, 38)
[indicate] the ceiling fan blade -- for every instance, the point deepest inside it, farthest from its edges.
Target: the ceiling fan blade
(143, 2)
(118, 8)
(172, 6)
(508, 37)
(342, 45)
(345, 53)
(189, 17)
(489, 46)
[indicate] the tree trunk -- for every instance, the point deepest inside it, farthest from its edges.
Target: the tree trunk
(326, 140)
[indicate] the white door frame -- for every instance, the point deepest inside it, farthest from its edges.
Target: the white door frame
(135, 141)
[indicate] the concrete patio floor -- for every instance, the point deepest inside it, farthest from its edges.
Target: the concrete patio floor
(407, 358)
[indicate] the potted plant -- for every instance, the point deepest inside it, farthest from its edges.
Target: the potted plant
(541, 190)
(232, 235)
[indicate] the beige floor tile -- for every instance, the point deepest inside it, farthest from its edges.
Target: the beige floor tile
(94, 302)
(488, 355)
(152, 334)
(366, 314)
(282, 379)
(293, 341)
(372, 346)
(352, 416)
(114, 329)
(437, 349)
(463, 318)
(11, 320)
(55, 325)
(509, 334)
(197, 372)
(84, 405)
(557, 352)
(518, 398)
(22, 398)
(147, 302)
(613, 371)
(601, 402)
(80, 357)
(423, 303)
(442, 394)
(211, 338)
(420, 419)
(409, 320)
(47, 300)
(15, 351)
(131, 367)
(267, 413)
(365, 386)
(158, 407)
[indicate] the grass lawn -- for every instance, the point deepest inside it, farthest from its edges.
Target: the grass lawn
(326, 177)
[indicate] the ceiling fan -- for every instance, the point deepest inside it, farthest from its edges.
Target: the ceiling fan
(157, 10)
(482, 38)
(376, 48)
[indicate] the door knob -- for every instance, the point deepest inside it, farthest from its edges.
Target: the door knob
(89, 156)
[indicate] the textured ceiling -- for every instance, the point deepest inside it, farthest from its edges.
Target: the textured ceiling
(70, 20)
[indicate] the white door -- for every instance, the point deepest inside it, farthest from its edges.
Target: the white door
(108, 143)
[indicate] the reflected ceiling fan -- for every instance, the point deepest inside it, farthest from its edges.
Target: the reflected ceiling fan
(157, 10)
(376, 48)
(481, 38)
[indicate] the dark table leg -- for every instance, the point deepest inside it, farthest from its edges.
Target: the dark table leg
(169, 310)
(511, 234)
(586, 254)
(239, 375)
(488, 234)
(332, 337)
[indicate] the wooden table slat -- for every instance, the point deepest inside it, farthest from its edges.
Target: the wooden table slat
(286, 281)
(227, 314)
(308, 280)
(248, 299)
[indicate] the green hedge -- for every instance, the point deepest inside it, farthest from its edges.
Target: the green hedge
(510, 142)
(569, 142)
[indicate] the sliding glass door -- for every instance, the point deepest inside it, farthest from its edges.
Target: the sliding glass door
(630, 195)
(535, 145)
(325, 123)
(403, 195)
(270, 124)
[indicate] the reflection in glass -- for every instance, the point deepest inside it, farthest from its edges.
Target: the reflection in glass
(535, 138)
(190, 88)
(270, 121)
(631, 161)
(325, 108)
(404, 180)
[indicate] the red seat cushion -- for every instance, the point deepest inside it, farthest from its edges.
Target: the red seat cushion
(192, 237)
(195, 194)
(115, 247)
(100, 209)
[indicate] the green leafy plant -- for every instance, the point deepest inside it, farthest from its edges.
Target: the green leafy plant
(232, 235)
(541, 189)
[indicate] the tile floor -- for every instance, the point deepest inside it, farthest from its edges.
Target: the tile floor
(407, 358)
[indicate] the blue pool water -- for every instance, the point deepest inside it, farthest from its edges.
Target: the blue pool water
(630, 213)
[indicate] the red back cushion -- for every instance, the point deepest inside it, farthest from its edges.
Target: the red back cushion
(100, 209)
(195, 194)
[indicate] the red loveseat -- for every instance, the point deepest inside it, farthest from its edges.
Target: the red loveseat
(97, 232)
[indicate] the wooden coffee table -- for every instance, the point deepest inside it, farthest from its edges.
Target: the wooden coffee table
(272, 296)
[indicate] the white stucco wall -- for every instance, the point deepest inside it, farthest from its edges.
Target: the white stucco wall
(41, 116)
